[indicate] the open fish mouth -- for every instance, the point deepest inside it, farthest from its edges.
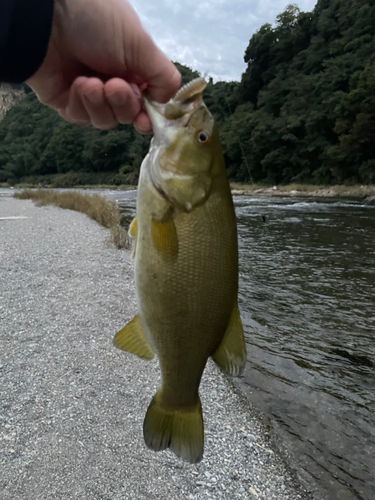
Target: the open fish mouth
(170, 121)
(179, 108)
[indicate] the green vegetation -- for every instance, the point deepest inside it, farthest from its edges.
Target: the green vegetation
(36, 145)
(96, 207)
(304, 112)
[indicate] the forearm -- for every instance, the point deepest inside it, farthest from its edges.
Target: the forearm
(25, 28)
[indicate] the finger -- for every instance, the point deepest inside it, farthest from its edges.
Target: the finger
(97, 107)
(143, 123)
(75, 110)
(123, 100)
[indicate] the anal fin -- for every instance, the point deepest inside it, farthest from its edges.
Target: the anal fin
(231, 353)
(132, 339)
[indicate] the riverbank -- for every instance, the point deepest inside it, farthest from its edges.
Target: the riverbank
(98, 208)
(356, 191)
(339, 190)
(73, 405)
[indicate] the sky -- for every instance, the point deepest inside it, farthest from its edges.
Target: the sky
(210, 36)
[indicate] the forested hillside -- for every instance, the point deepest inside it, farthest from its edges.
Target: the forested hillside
(304, 111)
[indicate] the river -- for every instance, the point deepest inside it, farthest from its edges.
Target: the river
(306, 295)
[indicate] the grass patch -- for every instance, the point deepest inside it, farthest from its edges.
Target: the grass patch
(100, 209)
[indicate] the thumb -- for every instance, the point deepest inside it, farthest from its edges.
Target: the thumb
(158, 72)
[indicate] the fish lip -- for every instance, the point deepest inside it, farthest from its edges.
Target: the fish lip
(153, 106)
(160, 124)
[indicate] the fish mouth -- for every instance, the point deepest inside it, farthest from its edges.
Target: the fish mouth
(156, 112)
(167, 121)
(178, 110)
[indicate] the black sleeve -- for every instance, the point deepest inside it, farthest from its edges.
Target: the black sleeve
(25, 28)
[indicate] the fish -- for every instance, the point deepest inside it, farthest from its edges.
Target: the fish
(185, 258)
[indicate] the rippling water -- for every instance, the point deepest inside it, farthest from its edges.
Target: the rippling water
(307, 283)
(307, 277)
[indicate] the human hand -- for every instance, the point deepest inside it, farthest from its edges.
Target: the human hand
(98, 62)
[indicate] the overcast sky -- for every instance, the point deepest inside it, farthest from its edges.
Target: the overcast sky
(210, 36)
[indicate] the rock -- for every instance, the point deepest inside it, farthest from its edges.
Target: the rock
(370, 200)
(9, 96)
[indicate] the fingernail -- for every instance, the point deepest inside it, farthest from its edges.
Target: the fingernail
(95, 97)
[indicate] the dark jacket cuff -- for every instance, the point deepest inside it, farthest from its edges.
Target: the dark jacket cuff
(25, 31)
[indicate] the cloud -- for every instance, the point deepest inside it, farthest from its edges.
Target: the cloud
(210, 36)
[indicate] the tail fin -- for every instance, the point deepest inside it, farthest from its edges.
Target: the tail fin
(180, 430)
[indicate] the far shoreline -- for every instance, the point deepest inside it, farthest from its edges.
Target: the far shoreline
(361, 192)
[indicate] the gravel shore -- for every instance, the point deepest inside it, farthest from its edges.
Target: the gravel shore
(72, 406)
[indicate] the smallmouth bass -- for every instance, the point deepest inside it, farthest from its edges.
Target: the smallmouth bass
(186, 269)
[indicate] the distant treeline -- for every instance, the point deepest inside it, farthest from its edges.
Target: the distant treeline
(304, 112)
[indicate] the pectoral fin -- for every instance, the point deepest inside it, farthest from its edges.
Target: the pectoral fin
(132, 339)
(133, 232)
(231, 353)
(133, 228)
(164, 238)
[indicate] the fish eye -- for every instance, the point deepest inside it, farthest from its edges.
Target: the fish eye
(203, 137)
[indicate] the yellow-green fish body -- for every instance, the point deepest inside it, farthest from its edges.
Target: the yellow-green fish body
(186, 269)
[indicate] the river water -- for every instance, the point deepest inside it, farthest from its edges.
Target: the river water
(306, 295)
(307, 283)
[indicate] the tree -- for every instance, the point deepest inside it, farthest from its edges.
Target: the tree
(355, 127)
